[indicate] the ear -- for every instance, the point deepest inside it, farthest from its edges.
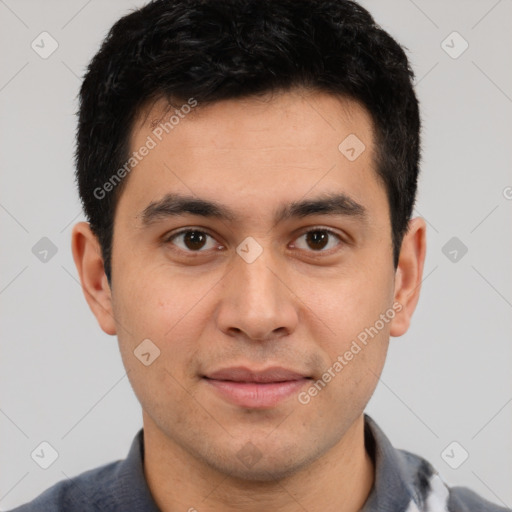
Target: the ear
(89, 263)
(409, 275)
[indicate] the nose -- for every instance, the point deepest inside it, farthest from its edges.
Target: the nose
(257, 300)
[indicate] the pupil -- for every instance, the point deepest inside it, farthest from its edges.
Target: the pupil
(315, 238)
(194, 239)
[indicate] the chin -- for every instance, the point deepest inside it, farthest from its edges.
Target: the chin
(252, 466)
(262, 473)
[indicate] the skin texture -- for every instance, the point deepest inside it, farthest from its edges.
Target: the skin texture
(294, 306)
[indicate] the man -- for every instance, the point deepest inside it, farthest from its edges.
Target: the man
(248, 169)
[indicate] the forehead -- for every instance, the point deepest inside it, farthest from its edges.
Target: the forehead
(247, 122)
(255, 150)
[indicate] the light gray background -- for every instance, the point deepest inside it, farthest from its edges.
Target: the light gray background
(448, 379)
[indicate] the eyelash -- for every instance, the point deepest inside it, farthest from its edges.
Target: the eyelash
(330, 232)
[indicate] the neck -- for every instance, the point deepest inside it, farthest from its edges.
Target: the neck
(341, 479)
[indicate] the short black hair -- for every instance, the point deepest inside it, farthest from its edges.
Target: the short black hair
(213, 50)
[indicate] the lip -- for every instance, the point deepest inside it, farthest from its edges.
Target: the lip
(256, 389)
(244, 374)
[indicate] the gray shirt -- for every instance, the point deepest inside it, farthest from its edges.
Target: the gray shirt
(404, 482)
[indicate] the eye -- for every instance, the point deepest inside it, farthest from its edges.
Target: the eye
(191, 240)
(318, 239)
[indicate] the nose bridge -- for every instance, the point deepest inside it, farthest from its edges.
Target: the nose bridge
(258, 283)
(255, 300)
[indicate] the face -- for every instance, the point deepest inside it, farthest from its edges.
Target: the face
(272, 277)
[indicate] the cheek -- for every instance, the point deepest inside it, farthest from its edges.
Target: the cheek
(163, 308)
(345, 306)
(363, 340)
(158, 326)
(150, 301)
(352, 373)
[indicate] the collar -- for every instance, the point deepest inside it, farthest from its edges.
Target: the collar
(132, 491)
(403, 481)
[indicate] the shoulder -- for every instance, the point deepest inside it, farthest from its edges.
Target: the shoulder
(86, 491)
(115, 486)
(431, 492)
(463, 499)
(407, 481)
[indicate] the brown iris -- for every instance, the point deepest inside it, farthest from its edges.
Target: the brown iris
(194, 240)
(317, 239)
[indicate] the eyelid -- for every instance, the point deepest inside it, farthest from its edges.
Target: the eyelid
(326, 230)
(170, 236)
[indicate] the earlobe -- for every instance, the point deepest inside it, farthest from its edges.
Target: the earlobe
(89, 263)
(409, 275)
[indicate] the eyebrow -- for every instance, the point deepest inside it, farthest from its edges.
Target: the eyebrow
(173, 205)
